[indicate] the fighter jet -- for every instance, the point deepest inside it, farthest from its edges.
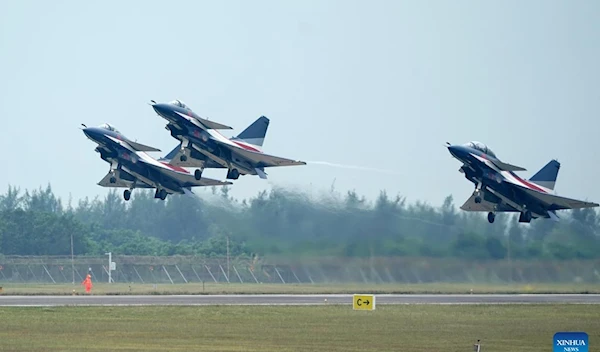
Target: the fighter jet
(131, 167)
(202, 146)
(499, 189)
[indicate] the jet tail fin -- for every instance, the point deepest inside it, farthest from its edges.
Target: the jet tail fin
(547, 175)
(256, 132)
(171, 154)
(178, 157)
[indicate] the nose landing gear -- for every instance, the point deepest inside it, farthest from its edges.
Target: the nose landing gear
(477, 193)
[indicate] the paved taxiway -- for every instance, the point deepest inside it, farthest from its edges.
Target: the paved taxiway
(322, 299)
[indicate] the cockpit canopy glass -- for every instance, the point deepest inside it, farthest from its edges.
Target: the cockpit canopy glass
(179, 103)
(481, 147)
(108, 126)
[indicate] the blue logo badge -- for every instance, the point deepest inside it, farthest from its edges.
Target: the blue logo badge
(570, 342)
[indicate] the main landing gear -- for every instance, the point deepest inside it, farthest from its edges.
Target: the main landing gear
(525, 216)
(491, 217)
(198, 174)
(162, 194)
(233, 174)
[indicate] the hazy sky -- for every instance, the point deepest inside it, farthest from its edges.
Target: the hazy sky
(376, 84)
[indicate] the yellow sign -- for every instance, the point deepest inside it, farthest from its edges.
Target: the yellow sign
(363, 302)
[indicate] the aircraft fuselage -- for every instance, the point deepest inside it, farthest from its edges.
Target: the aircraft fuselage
(211, 141)
(113, 148)
(497, 186)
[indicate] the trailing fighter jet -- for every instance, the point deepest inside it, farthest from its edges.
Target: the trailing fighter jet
(202, 146)
(499, 189)
(131, 167)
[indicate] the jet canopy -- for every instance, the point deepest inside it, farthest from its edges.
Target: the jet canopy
(108, 126)
(179, 103)
(481, 147)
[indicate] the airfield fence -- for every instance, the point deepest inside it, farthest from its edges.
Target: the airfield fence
(183, 269)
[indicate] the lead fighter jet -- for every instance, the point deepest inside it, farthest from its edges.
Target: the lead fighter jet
(202, 146)
(131, 167)
(499, 189)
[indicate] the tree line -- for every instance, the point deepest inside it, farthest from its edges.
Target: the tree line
(281, 222)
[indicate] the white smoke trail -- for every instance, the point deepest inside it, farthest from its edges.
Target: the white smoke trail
(355, 167)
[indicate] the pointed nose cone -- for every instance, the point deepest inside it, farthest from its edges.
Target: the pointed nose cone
(92, 133)
(87, 131)
(455, 150)
(161, 109)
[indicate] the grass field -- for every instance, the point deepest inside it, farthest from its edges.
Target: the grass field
(212, 288)
(296, 328)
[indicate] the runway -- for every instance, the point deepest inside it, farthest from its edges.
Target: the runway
(319, 299)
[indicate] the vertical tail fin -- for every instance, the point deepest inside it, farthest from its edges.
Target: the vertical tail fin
(255, 133)
(171, 154)
(547, 175)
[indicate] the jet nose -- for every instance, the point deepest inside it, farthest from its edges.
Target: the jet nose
(160, 109)
(454, 150)
(91, 133)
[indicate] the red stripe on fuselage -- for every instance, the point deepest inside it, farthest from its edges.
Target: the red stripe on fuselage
(176, 168)
(528, 184)
(247, 147)
(244, 146)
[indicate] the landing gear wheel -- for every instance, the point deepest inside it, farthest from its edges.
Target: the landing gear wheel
(526, 216)
(113, 179)
(478, 199)
(183, 158)
(162, 194)
(198, 174)
(233, 174)
(127, 194)
(491, 217)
